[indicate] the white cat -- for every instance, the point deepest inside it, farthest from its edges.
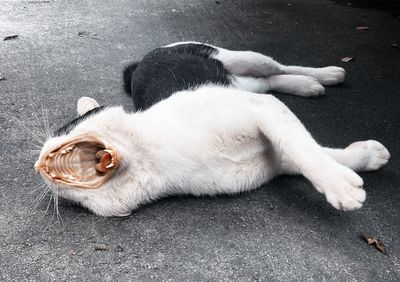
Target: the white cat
(201, 129)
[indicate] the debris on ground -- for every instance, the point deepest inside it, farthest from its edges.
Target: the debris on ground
(11, 37)
(377, 243)
(88, 34)
(347, 59)
(39, 2)
(395, 45)
(362, 28)
(119, 248)
(100, 247)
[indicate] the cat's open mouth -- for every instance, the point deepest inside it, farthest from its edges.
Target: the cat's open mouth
(84, 162)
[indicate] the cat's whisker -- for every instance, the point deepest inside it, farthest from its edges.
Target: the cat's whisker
(46, 123)
(48, 205)
(41, 126)
(59, 218)
(23, 126)
(37, 201)
(39, 197)
(41, 186)
(35, 128)
(50, 131)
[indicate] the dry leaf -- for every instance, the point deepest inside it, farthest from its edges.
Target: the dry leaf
(347, 59)
(362, 27)
(10, 37)
(100, 247)
(377, 243)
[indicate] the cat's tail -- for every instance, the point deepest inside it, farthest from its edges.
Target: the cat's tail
(127, 76)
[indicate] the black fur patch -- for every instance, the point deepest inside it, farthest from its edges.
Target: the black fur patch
(166, 70)
(65, 129)
(127, 76)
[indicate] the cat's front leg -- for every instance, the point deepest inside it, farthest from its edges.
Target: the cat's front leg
(341, 186)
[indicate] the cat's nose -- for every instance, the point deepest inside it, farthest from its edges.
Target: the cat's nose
(36, 166)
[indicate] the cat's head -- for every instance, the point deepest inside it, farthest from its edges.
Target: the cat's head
(83, 159)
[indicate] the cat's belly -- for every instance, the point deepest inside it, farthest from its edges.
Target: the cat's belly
(211, 142)
(231, 164)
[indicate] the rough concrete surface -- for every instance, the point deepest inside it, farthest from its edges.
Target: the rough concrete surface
(284, 231)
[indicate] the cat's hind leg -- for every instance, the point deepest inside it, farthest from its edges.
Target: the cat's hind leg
(326, 76)
(254, 64)
(249, 63)
(299, 85)
(341, 186)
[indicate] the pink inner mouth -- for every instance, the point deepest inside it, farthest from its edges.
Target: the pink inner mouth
(84, 162)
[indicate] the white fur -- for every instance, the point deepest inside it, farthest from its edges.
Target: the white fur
(222, 140)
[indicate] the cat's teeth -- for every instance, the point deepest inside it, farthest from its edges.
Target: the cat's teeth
(51, 155)
(52, 174)
(63, 151)
(69, 148)
(70, 177)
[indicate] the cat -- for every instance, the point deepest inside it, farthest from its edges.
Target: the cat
(203, 125)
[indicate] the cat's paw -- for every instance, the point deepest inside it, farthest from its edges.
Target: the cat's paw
(342, 188)
(375, 154)
(309, 86)
(329, 75)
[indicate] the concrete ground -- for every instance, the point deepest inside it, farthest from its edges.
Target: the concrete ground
(282, 231)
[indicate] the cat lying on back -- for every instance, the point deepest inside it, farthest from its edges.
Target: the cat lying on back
(201, 129)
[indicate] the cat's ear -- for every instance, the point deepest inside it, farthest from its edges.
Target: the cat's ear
(86, 104)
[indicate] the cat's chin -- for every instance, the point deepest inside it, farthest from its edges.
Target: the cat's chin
(85, 161)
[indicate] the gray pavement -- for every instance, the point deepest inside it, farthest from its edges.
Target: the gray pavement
(284, 231)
